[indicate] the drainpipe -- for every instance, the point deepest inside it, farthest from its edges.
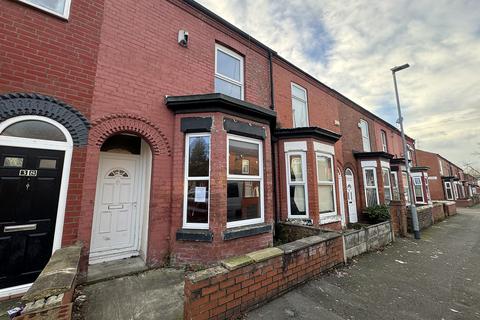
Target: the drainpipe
(274, 158)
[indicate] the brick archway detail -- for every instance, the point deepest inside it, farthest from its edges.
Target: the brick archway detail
(107, 126)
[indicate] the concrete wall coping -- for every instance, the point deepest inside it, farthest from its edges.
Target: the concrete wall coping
(58, 276)
(307, 242)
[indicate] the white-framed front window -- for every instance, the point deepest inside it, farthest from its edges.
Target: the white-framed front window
(299, 106)
(297, 193)
(448, 190)
(387, 185)
(244, 190)
(370, 186)
(365, 136)
(383, 135)
(418, 190)
(326, 185)
(196, 199)
(395, 187)
(59, 8)
(228, 72)
(455, 190)
(406, 186)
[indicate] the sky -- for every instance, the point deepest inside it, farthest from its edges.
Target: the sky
(352, 45)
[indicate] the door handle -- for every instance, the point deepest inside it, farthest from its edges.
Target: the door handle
(22, 227)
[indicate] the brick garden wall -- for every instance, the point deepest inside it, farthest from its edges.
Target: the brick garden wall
(241, 283)
(450, 208)
(438, 214)
(424, 217)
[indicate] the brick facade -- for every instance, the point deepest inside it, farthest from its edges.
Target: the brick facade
(117, 63)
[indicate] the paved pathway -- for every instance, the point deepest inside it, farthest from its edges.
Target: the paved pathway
(437, 277)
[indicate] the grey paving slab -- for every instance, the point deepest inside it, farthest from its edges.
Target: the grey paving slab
(155, 294)
(437, 277)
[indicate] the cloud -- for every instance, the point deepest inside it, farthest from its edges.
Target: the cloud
(351, 45)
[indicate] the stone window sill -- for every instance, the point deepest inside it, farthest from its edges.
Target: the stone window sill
(194, 235)
(246, 231)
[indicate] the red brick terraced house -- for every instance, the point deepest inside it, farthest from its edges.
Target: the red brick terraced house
(159, 130)
(447, 180)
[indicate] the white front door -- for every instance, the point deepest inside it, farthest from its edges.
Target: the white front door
(115, 229)
(352, 203)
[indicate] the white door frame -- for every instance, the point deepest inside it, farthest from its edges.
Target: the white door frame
(62, 199)
(342, 201)
(142, 198)
(354, 198)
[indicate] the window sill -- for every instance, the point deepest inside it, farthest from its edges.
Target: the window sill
(326, 218)
(246, 231)
(194, 235)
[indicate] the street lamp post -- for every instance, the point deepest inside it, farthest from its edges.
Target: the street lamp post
(413, 208)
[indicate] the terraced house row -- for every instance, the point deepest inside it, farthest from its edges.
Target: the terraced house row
(157, 129)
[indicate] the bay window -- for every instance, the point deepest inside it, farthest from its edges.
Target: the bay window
(448, 190)
(59, 8)
(197, 181)
(228, 72)
(395, 188)
(326, 184)
(299, 106)
(371, 186)
(418, 189)
(244, 187)
(297, 185)
(406, 187)
(387, 185)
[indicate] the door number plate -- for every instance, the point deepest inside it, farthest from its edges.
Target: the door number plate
(27, 173)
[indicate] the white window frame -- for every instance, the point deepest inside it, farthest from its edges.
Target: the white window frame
(394, 174)
(448, 186)
(414, 178)
(236, 177)
(383, 135)
(66, 10)
(297, 183)
(234, 55)
(406, 186)
(294, 85)
(365, 135)
(190, 225)
(455, 190)
(365, 187)
(389, 187)
(326, 215)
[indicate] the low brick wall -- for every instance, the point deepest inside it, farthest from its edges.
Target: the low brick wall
(367, 239)
(425, 219)
(398, 214)
(450, 208)
(53, 290)
(242, 283)
(464, 203)
(438, 213)
(289, 232)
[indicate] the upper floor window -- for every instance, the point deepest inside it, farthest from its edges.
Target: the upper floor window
(59, 8)
(365, 136)
(299, 106)
(228, 72)
(383, 135)
(441, 166)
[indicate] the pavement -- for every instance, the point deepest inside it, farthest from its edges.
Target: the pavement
(154, 294)
(437, 277)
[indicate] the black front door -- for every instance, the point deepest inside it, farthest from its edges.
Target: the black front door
(29, 191)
